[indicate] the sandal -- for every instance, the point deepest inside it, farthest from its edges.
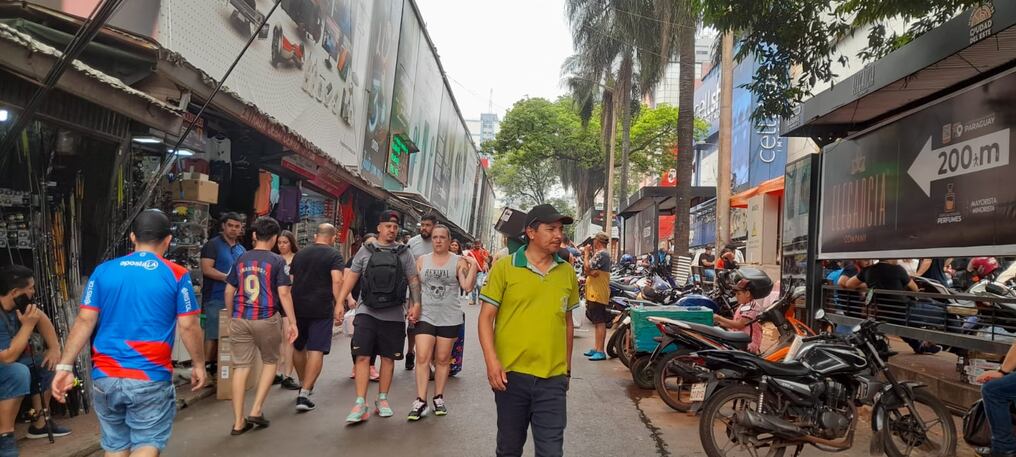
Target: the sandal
(247, 426)
(260, 421)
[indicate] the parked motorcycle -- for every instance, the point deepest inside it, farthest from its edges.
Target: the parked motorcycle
(682, 384)
(775, 407)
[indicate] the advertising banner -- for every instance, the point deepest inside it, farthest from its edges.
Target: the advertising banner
(797, 200)
(384, 49)
(741, 129)
(402, 101)
(301, 70)
(935, 183)
(427, 99)
(707, 101)
(442, 174)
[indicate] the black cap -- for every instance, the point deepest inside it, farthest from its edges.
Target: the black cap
(390, 216)
(151, 225)
(546, 214)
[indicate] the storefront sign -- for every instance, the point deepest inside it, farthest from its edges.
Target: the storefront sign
(934, 183)
(313, 175)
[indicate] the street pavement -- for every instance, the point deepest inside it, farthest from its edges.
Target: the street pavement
(607, 416)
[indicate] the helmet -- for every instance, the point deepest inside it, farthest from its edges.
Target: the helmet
(627, 259)
(983, 266)
(753, 280)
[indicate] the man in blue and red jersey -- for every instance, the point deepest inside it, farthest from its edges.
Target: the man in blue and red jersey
(256, 288)
(131, 309)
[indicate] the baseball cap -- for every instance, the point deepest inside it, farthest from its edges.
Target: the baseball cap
(390, 216)
(546, 214)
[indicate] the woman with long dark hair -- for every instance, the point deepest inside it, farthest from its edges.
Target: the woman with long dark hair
(287, 248)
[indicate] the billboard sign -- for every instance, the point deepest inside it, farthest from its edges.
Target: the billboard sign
(402, 101)
(930, 184)
(384, 48)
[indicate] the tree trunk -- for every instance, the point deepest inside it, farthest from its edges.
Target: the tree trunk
(625, 83)
(610, 128)
(685, 126)
(723, 187)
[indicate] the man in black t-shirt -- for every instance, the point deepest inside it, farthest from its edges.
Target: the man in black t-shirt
(317, 277)
(707, 261)
(888, 275)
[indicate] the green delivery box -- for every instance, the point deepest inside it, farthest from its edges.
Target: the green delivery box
(645, 331)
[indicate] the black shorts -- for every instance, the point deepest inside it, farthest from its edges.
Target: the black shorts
(446, 331)
(372, 336)
(314, 334)
(597, 313)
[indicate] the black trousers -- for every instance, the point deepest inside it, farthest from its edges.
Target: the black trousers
(534, 401)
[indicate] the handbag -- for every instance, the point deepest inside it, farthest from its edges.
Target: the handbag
(976, 431)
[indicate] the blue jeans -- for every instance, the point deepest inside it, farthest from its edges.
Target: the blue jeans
(997, 396)
(14, 380)
(534, 401)
(211, 310)
(480, 278)
(134, 413)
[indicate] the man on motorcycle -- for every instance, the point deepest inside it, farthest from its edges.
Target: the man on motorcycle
(998, 392)
(747, 310)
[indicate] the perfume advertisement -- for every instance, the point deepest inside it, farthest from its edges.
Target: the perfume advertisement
(937, 182)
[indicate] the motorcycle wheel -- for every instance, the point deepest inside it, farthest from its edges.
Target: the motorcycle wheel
(624, 346)
(673, 387)
(901, 439)
(717, 419)
(612, 344)
(642, 369)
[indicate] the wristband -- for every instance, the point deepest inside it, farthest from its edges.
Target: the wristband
(65, 367)
(1000, 370)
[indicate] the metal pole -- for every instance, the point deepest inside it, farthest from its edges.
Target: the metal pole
(608, 217)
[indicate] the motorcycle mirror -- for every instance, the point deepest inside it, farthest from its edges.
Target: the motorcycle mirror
(820, 315)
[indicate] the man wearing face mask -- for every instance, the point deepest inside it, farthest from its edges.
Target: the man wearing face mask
(21, 371)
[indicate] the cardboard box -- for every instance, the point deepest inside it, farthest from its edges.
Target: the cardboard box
(196, 190)
(193, 175)
(224, 378)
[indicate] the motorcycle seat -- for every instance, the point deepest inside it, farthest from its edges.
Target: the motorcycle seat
(624, 287)
(789, 369)
(717, 332)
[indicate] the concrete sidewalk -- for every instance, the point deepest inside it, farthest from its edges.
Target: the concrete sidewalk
(84, 438)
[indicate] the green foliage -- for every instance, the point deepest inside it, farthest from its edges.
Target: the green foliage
(654, 136)
(523, 183)
(804, 33)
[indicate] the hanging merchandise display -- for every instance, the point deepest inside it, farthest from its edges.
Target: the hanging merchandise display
(190, 232)
(288, 209)
(314, 211)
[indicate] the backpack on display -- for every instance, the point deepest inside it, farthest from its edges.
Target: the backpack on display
(384, 279)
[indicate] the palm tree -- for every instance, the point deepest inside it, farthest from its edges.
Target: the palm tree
(684, 12)
(619, 40)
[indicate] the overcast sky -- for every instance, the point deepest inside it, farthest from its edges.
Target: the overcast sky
(514, 47)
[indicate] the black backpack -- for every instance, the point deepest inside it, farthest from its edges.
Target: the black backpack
(384, 279)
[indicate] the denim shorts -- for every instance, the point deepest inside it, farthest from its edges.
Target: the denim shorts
(211, 310)
(14, 380)
(133, 413)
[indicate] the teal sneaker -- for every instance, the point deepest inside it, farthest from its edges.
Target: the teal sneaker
(382, 408)
(597, 356)
(589, 353)
(360, 413)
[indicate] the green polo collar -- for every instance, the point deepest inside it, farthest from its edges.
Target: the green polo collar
(519, 260)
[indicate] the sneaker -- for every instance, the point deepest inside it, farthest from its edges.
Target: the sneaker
(439, 406)
(382, 408)
(278, 379)
(303, 404)
(374, 375)
(589, 353)
(358, 414)
(410, 361)
(40, 432)
(290, 384)
(8, 445)
(418, 411)
(597, 356)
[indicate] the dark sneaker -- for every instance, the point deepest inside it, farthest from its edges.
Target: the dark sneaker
(8, 445)
(303, 404)
(439, 407)
(40, 432)
(290, 384)
(278, 379)
(418, 411)
(410, 361)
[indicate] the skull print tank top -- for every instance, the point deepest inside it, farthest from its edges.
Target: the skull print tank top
(441, 306)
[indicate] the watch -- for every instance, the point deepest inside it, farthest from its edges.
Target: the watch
(65, 367)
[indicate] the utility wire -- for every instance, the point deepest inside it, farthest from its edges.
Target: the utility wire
(95, 21)
(171, 154)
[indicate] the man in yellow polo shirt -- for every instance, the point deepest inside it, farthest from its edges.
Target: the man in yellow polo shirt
(526, 334)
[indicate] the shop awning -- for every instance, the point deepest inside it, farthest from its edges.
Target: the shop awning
(418, 204)
(32, 59)
(772, 186)
(665, 197)
(973, 46)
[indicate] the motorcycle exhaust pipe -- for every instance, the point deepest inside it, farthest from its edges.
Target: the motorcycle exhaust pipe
(787, 430)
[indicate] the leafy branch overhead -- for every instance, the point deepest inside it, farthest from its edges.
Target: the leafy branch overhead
(806, 36)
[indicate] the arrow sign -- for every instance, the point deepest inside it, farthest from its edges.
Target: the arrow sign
(978, 154)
